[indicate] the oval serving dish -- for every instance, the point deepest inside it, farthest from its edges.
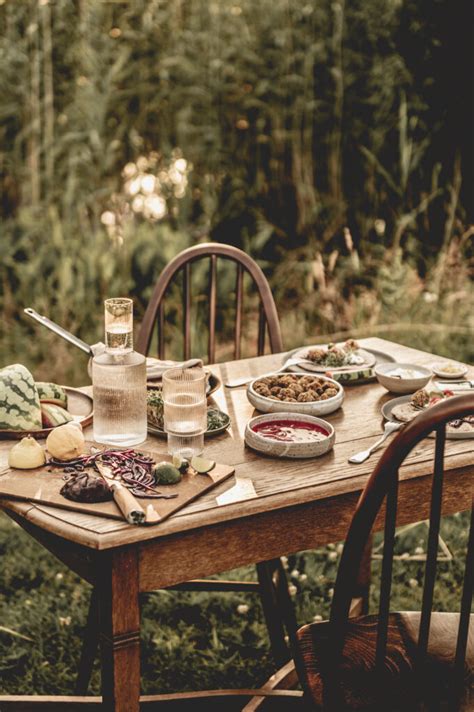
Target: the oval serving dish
(411, 376)
(269, 445)
(313, 407)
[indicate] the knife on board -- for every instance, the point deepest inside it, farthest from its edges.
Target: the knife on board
(125, 501)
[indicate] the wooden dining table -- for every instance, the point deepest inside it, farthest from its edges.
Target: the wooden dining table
(296, 505)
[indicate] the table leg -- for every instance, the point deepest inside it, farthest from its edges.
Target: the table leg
(119, 624)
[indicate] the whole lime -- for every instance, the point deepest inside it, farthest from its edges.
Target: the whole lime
(166, 474)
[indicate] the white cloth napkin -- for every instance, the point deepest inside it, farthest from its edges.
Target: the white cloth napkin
(155, 367)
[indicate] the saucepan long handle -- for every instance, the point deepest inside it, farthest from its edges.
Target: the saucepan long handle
(59, 331)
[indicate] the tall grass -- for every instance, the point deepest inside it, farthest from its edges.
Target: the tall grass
(314, 137)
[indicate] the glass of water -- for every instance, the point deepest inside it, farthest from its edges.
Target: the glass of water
(119, 325)
(185, 410)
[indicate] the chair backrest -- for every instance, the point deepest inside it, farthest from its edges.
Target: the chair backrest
(383, 486)
(154, 315)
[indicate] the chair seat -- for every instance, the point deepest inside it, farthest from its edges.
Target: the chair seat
(397, 687)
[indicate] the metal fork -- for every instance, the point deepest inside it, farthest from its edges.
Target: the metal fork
(390, 427)
(289, 362)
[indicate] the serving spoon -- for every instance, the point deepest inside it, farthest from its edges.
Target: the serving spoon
(389, 427)
(289, 362)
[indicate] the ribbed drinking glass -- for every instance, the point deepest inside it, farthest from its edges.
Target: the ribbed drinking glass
(185, 410)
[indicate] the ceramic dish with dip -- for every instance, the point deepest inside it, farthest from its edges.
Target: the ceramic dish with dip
(290, 435)
(402, 377)
(304, 393)
(449, 369)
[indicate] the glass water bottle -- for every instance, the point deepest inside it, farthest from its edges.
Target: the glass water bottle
(119, 381)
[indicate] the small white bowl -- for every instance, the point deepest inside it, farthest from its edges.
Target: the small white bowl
(276, 448)
(457, 370)
(397, 384)
(322, 407)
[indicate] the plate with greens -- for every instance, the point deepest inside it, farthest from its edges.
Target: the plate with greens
(335, 357)
(346, 363)
(217, 420)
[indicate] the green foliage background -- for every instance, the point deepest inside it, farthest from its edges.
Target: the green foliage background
(327, 139)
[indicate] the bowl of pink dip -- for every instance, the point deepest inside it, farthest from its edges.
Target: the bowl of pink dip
(290, 435)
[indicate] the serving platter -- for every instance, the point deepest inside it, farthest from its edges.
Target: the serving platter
(451, 433)
(349, 375)
(366, 360)
(80, 405)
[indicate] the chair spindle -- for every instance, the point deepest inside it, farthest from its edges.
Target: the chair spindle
(466, 602)
(187, 310)
(238, 310)
(261, 330)
(212, 309)
(161, 330)
(387, 566)
(433, 540)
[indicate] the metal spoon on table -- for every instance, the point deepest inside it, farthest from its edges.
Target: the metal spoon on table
(289, 362)
(390, 427)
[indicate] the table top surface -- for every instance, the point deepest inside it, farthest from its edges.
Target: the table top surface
(278, 482)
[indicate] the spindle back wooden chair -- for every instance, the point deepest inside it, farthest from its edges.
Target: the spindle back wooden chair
(381, 661)
(155, 313)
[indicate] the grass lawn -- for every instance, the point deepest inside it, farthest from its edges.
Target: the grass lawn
(189, 640)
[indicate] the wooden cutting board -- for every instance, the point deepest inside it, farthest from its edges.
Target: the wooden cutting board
(43, 486)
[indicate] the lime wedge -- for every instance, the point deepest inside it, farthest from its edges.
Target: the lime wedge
(181, 463)
(202, 466)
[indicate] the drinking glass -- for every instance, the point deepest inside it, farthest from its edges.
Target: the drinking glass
(185, 410)
(119, 324)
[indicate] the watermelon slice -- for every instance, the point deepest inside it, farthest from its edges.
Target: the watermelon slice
(53, 415)
(52, 393)
(19, 400)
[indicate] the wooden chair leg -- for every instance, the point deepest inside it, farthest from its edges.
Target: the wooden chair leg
(284, 679)
(119, 624)
(285, 603)
(272, 610)
(90, 646)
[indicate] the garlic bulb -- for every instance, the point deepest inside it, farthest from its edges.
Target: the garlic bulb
(66, 442)
(27, 454)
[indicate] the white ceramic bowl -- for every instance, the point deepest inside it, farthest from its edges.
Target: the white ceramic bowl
(323, 407)
(276, 448)
(395, 384)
